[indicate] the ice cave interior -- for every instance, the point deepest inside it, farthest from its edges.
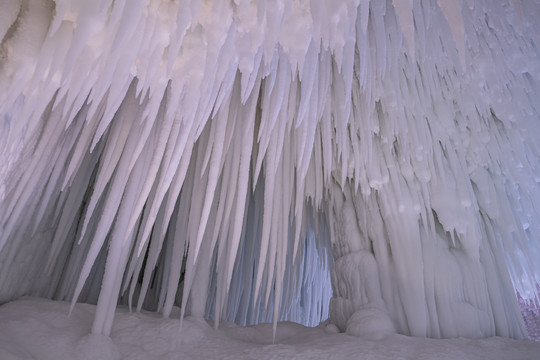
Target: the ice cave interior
(374, 164)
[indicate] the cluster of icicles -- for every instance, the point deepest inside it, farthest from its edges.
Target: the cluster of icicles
(215, 145)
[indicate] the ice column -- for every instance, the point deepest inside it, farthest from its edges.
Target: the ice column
(357, 305)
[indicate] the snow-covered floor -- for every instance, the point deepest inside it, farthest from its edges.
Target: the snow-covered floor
(33, 328)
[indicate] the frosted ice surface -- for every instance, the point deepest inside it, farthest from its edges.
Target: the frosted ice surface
(221, 155)
(38, 328)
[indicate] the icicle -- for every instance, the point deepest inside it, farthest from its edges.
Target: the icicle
(404, 13)
(221, 143)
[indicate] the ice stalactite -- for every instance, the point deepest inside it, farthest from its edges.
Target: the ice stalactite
(204, 153)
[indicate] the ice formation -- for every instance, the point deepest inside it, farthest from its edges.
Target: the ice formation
(207, 153)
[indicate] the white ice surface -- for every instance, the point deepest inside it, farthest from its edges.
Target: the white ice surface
(34, 328)
(140, 128)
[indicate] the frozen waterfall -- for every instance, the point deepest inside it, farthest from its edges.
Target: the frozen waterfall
(228, 156)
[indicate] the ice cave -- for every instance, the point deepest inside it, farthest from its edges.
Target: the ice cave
(366, 167)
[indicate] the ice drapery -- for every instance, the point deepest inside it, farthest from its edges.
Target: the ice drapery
(136, 137)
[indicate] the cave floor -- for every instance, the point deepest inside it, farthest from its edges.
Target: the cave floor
(33, 328)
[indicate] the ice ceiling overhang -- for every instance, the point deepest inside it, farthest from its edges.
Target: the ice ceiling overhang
(129, 127)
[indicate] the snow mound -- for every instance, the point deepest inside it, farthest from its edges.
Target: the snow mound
(370, 323)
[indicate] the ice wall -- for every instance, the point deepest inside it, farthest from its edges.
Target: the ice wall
(134, 136)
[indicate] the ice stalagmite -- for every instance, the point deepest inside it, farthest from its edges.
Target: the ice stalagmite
(222, 155)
